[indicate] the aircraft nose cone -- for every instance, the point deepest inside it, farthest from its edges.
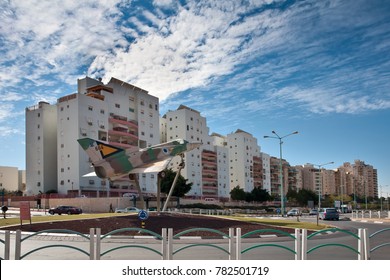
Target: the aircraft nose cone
(191, 146)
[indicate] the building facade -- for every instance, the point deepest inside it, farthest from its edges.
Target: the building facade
(118, 113)
(245, 167)
(124, 115)
(41, 148)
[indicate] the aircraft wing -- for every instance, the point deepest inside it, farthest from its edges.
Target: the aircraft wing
(152, 167)
(91, 174)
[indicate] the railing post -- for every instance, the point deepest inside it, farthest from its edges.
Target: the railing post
(361, 255)
(231, 244)
(164, 243)
(297, 244)
(170, 244)
(18, 244)
(366, 244)
(98, 243)
(7, 245)
(91, 243)
(238, 243)
(304, 244)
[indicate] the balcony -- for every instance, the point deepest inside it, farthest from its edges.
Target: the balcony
(120, 131)
(123, 121)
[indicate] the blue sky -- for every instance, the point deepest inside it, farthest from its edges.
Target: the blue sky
(319, 67)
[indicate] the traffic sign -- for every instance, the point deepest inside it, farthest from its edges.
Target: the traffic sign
(143, 215)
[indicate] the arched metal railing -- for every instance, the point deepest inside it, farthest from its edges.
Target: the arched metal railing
(139, 231)
(359, 251)
(218, 233)
(296, 237)
(370, 250)
(19, 240)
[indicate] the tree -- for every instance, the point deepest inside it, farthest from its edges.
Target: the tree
(260, 195)
(237, 193)
(181, 187)
(304, 196)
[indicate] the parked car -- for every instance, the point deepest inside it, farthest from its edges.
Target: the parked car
(65, 210)
(313, 212)
(127, 210)
(329, 214)
(294, 212)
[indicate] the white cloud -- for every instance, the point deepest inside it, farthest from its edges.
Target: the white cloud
(186, 50)
(54, 37)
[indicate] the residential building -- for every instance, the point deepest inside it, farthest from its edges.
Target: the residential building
(220, 147)
(266, 160)
(200, 164)
(41, 148)
(245, 168)
(118, 113)
(9, 179)
(275, 176)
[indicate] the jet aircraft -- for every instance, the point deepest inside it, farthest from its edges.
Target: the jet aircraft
(111, 162)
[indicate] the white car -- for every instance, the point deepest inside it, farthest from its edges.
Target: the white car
(127, 210)
(294, 212)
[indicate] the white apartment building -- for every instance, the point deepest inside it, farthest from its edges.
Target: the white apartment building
(245, 160)
(219, 143)
(118, 113)
(41, 148)
(188, 124)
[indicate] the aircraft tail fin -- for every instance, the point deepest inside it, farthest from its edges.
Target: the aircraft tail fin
(97, 150)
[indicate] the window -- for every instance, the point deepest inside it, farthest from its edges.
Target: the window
(102, 111)
(90, 108)
(117, 105)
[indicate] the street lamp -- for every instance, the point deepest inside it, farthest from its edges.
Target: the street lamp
(320, 186)
(281, 165)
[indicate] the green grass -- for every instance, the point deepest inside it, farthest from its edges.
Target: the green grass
(289, 223)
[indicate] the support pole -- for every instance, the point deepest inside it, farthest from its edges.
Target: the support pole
(141, 196)
(181, 166)
(158, 199)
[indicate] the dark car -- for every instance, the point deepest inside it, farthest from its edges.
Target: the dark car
(329, 214)
(65, 210)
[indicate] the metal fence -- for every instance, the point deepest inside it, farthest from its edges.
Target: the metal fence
(232, 246)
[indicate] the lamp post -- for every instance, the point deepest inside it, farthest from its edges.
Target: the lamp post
(281, 166)
(320, 186)
(380, 197)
